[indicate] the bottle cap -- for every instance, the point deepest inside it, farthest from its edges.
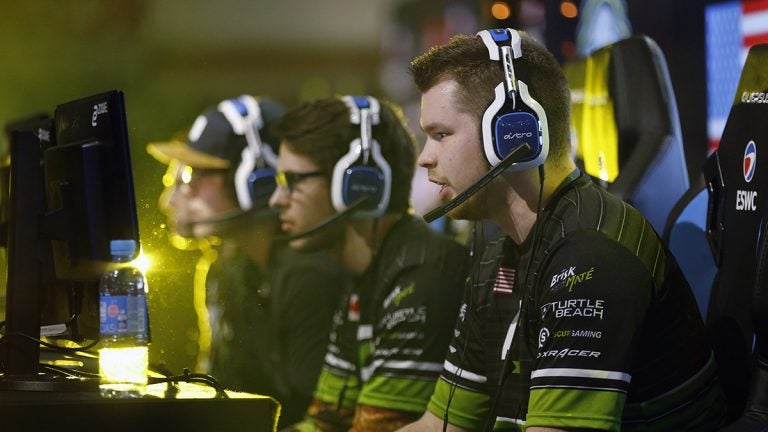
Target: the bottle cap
(122, 247)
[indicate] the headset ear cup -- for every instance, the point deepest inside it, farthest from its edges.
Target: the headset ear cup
(363, 181)
(352, 181)
(511, 130)
(261, 185)
(362, 172)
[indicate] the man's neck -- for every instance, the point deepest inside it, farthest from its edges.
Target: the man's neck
(524, 198)
(361, 241)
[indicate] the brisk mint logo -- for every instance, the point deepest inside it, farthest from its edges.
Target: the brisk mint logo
(563, 275)
(579, 278)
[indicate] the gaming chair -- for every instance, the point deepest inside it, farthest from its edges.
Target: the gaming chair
(737, 219)
(685, 235)
(629, 135)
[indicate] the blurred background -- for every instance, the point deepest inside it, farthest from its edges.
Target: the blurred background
(173, 58)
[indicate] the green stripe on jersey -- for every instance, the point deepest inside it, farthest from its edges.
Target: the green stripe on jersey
(467, 409)
(330, 387)
(570, 408)
(405, 394)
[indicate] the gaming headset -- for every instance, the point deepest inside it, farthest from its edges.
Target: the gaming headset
(254, 176)
(362, 172)
(514, 117)
(514, 126)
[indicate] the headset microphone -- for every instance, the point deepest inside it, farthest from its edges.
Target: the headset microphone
(520, 153)
(338, 217)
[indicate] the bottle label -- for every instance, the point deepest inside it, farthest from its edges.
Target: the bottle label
(123, 315)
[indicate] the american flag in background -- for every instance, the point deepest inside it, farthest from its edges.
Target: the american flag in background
(754, 23)
(731, 28)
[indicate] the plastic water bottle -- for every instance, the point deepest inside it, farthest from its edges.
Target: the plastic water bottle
(124, 325)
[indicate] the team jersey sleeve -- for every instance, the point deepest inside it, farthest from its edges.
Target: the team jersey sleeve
(409, 335)
(461, 392)
(591, 298)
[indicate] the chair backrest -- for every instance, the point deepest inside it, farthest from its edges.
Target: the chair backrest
(737, 178)
(629, 135)
(686, 237)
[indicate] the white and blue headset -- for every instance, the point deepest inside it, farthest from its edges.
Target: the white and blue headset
(363, 171)
(514, 117)
(254, 176)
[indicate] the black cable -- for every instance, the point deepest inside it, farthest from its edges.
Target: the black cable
(189, 377)
(50, 345)
(470, 300)
(505, 368)
(63, 371)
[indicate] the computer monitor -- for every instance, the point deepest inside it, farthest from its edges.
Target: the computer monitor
(68, 198)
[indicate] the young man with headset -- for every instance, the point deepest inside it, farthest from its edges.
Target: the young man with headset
(268, 308)
(344, 178)
(577, 317)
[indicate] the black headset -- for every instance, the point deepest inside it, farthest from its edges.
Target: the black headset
(254, 176)
(513, 118)
(362, 172)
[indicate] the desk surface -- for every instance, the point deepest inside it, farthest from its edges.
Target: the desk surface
(192, 410)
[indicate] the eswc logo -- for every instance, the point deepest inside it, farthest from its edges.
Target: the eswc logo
(98, 109)
(750, 161)
(746, 200)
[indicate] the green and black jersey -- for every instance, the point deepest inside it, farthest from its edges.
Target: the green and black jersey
(391, 333)
(588, 324)
(270, 329)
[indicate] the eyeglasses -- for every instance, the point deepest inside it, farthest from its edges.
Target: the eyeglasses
(178, 174)
(289, 179)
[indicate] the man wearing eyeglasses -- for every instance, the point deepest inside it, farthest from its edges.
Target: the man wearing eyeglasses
(267, 310)
(391, 331)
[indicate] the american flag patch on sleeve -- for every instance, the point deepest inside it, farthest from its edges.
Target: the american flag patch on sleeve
(505, 280)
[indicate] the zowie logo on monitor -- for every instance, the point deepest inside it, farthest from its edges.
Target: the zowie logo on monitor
(44, 135)
(100, 108)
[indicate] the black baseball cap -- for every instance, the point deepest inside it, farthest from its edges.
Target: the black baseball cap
(212, 142)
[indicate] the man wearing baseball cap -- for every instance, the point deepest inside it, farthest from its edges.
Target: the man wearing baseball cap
(269, 309)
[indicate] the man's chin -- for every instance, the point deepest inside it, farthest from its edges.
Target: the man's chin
(470, 210)
(324, 239)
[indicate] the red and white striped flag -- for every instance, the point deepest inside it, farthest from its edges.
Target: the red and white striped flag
(754, 23)
(505, 281)
(732, 28)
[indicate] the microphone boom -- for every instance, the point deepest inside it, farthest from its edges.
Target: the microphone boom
(514, 157)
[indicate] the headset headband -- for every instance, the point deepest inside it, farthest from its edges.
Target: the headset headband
(504, 45)
(244, 115)
(363, 111)
(363, 171)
